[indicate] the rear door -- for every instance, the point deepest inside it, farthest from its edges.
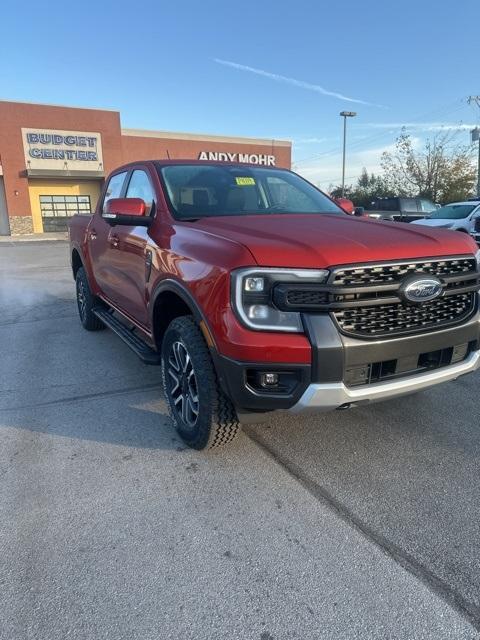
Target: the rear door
(129, 249)
(102, 244)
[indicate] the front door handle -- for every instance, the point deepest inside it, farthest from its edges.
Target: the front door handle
(114, 241)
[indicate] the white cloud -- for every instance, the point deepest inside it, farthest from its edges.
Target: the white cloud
(422, 126)
(294, 82)
(312, 140)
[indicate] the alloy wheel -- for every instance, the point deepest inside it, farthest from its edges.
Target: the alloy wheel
(182, 384)
(81, 299)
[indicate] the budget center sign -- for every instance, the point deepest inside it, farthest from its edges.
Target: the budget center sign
(62, 150)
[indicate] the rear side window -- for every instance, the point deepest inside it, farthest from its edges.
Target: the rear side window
(387, 204)
(114, 188)
(140, 187)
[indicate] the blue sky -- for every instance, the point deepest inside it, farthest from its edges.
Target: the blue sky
(265, 68)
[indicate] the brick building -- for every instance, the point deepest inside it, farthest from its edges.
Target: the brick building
(53, 159)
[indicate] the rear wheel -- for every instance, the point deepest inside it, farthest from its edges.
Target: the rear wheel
(202, 414)
(86, 302)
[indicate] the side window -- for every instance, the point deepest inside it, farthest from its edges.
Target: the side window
(114, 188)
(140, 187)
(389, 204)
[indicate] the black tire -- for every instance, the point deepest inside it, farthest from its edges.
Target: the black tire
(86, 302)
(202, 414)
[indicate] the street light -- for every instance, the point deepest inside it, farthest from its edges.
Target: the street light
(345, 115)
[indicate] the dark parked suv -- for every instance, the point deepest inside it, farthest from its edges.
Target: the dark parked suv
(400, 209)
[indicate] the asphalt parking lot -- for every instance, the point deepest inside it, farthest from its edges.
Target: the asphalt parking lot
(360, 524)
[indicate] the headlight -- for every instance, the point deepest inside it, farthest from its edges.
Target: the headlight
(252, 296)
(477, 257)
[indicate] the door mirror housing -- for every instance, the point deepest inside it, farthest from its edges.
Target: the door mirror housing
(127, 211)
(346, 205)
(359, 211)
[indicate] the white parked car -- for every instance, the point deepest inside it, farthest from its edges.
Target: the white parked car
(458, 216)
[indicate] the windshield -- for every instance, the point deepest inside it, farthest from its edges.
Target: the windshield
(198, 191)
(453, 211)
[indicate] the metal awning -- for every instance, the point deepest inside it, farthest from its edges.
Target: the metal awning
(62, 173)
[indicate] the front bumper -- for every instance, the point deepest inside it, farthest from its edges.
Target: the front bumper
(325, 397)
(336, 378)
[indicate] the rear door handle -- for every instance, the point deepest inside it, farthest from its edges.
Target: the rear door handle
(114, 241)
(93, 234)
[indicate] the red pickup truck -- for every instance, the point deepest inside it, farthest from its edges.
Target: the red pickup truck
(255, 292)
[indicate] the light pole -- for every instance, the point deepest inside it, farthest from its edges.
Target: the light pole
(345, 115)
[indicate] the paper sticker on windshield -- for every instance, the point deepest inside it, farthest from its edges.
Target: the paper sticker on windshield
(244, 182)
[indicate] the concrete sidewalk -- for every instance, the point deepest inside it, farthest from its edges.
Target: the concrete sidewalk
(35, 237)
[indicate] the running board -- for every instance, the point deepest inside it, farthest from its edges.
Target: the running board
(143, 351)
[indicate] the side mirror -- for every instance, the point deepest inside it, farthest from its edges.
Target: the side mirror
(359, 211)
(127, 211)
(345, 204)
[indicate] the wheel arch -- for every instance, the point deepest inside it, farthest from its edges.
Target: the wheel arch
(171, 300)
(76, 261)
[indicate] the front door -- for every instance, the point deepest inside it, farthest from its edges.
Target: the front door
(129, 248)
(103, 244)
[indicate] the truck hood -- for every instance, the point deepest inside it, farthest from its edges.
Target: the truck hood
(436, 222)
(318, 241)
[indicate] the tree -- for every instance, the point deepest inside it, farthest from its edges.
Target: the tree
(368, 187)
(440, 171)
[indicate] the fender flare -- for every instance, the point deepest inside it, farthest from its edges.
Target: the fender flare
(75, 247)
(172, 285)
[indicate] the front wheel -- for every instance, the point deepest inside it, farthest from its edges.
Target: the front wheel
(202, 414)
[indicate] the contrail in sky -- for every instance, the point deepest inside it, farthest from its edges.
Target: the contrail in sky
(294, 82)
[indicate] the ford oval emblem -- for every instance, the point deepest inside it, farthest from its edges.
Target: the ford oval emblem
(421, 289)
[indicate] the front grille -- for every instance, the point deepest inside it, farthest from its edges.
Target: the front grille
(366, 301)
(388, 319)
(391, 273)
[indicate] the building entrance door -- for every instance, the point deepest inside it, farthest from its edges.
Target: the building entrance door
(4, 223)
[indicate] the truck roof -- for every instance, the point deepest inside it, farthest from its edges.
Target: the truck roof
(164, 162)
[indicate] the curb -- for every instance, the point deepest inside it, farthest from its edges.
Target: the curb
(33, 238)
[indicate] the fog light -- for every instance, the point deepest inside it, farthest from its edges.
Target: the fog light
(254, 284)
(268, 379)
(258, 312)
